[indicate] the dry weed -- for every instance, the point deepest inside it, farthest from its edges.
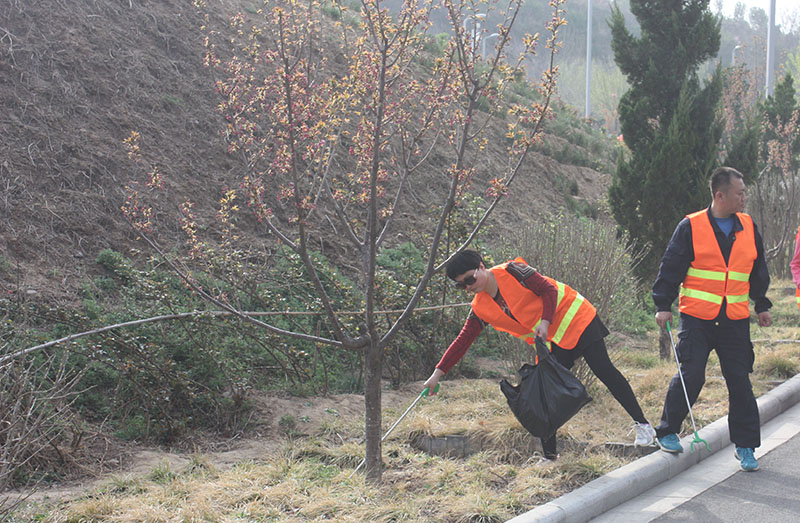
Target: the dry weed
(309, 477)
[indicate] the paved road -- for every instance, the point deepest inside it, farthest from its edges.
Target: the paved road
(771, 493)
(702, 486)
(717, 490)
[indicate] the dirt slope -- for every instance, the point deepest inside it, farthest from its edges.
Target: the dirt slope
(76, 77)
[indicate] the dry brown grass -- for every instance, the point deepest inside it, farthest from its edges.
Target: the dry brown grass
(309, 477)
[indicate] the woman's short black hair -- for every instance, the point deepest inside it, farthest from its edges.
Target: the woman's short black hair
(462, 262)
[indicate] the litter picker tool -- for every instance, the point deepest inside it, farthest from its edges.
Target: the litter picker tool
(422, 394)
(697, 438)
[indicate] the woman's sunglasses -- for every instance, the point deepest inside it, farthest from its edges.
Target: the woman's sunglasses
(467, 281)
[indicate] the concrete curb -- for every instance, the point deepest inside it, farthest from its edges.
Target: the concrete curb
(625, 483)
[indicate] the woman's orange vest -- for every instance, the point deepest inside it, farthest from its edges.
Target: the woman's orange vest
(573, 311)
(797, 290)
(709, 280)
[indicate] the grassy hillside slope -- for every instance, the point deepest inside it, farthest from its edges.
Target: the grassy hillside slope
(77, 77)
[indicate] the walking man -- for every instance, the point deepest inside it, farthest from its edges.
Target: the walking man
(514, 298)
(715, 261)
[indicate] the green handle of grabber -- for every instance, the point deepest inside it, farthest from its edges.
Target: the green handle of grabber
(668, 327)
(425, 391)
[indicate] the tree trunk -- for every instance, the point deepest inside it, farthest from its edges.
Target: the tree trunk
(664, 345)
(373, 363)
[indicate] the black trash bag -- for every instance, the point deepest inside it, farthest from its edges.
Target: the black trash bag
(547, 396)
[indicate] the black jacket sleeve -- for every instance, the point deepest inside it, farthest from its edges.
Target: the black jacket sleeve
(759, 277)
(674, 264)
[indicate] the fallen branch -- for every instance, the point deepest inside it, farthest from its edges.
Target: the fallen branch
(9, 357)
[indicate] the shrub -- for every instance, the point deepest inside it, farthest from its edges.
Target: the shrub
(115, 263)
(420, 342)
(155, 380)
(437, 44)
(36, 395)
(590, 257)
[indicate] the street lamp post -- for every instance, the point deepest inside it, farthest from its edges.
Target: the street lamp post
(483, 43)
(733, 55)
(770, 49)
(476, 23)
(588, 106)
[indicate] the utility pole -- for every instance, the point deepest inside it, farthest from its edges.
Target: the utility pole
(483, 43)
(771, 49)
(733, 55)
(587, 114)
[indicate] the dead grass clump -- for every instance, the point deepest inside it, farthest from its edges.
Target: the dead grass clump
(651, 386)
(308, 477)
(97, 508)
(479, 509)
(505, 440)
(778, 366)
(576, 472)
(460, 407)
(638, 359)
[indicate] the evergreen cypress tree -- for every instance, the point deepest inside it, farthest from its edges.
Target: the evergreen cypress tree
(669, 122)
(743, 154)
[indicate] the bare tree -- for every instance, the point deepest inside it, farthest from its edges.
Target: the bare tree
(776, 194)
(333, 132)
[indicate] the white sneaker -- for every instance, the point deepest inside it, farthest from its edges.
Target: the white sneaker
(645, 435)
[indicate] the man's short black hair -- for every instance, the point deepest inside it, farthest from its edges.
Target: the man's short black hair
(721, 179)
(466, 260)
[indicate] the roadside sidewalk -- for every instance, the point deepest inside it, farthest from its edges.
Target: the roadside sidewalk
(646, 474)
(763, 491)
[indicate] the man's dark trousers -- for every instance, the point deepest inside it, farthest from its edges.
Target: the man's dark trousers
(731, 339)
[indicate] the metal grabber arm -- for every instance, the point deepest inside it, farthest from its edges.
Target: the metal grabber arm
(422, 394)
(697, 438)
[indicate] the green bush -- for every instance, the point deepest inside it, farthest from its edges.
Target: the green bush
(155, 380)
(436, 44)
(115, 263)
(420, 342)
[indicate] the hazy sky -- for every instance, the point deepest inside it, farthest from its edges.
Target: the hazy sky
(783, 8)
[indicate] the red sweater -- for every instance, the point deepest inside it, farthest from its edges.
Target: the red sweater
(473, 325)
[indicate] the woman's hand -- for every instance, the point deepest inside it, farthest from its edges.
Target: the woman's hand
(433, 381)
(541, 329)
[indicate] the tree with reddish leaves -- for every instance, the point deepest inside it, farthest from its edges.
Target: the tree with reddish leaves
(334, 114)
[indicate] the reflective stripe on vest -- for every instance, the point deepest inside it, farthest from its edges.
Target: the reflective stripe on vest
(709, 280)
(569, 316)
(573, 312)
(715, 276)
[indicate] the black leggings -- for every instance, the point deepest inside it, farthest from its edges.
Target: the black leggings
(596, 356)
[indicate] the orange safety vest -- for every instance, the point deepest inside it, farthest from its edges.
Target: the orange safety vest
(709, 280)
(573, 311)
(797, 290)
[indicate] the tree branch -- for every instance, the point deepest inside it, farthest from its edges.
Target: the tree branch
(235, 311)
